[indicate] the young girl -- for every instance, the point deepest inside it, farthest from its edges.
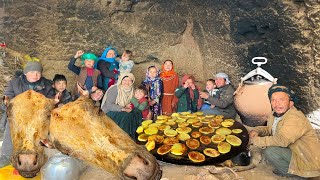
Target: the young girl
(170, 81)
(188, 95)
(88, 77)
(211, 88)
(154, 85)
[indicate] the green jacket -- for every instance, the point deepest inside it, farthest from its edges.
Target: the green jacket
(185, 103)
(295, 132)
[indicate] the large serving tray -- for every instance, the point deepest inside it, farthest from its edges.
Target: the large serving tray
(184, 160)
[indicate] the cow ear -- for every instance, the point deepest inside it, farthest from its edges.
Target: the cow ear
(47, 143)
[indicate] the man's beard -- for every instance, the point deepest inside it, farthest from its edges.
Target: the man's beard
(279, 115)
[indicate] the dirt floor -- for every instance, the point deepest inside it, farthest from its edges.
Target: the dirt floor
(183, 172)
(179, 172)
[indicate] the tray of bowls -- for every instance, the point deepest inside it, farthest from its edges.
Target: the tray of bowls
(193, 138)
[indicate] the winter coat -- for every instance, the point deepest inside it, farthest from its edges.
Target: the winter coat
(20, 84)
(223, 101)
(65, 97)
(295, 132)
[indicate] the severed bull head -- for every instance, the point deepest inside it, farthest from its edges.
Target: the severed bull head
(78, 130)
(29, 118)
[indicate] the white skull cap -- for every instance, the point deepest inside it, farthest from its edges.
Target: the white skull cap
(224, 76)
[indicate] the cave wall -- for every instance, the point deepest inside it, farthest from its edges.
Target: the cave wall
(202, 37)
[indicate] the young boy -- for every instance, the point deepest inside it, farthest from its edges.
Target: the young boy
(62, 96)
(125, 64)
(211, 88)
(140, 100)
(88, 77)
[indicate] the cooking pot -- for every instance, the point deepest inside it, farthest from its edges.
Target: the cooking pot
(61, 166)
(251, 97)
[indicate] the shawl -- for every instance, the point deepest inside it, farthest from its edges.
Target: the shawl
(166, 74)
(124, 95)
(105, 52)
(184, 79)
(154, 85)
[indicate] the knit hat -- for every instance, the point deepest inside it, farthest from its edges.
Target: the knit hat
(224, 76)
(280, 88)
(89, 56)
(32, 66)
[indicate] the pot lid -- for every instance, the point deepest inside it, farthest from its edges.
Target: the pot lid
(259, 73)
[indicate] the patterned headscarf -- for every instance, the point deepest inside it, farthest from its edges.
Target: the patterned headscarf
(105, 52)
(124, 95)
(155, 84)
(280, 88)
(165, 73)
(224, 76)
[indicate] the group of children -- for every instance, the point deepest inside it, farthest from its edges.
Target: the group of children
(159, 93)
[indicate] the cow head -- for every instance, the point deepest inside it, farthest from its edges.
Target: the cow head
(29, 117)
(78, 130)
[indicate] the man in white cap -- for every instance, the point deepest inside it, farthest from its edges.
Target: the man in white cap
(223, 101)
(30, 79)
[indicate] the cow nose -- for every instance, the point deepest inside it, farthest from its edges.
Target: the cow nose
(27, 162)
(143, 168)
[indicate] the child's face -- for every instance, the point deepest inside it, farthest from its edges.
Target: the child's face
(89, 63)
(33, 76)
(60, 85)
(152, 72)
(111, 53)
(125, 57)
(139, 94)
(189, 82)
(210, 85)
(167, 66)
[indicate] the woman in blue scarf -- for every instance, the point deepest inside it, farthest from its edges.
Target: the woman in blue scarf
(108, 67)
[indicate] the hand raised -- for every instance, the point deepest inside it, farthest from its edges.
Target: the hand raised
(78, 54)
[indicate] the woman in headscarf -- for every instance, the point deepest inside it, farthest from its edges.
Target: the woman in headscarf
(170, 80)
(223, 100)
(108, 67)
(188, 95)
(116, 104)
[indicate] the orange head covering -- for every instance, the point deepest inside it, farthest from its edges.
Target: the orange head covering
(165, 73)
